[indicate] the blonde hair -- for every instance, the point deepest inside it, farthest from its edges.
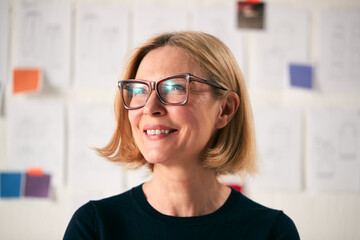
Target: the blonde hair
(234, 149)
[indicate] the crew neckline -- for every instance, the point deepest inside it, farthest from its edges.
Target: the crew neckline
(142, 202)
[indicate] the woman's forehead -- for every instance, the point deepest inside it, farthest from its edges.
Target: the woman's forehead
(165, 61)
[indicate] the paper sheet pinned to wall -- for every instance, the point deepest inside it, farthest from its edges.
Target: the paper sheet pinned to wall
(153, 19)
(4, 46)
(35, 135)
(102, 41)
(284, 40)
(339, 45)
(91, 125)
(333, 143)
(43, 39)
(279, 137)
(221, 22)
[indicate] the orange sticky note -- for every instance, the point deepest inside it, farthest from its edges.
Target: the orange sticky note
(26, 80)
(35, 171)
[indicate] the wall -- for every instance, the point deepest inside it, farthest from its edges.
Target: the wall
(317, 214)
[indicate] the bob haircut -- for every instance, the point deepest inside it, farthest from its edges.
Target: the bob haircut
(234, 148)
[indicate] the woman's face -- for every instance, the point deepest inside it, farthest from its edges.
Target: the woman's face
(187, 128)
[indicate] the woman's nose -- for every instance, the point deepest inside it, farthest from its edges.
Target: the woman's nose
(154, 106)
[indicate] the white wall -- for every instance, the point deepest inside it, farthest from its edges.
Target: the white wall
(318, 215)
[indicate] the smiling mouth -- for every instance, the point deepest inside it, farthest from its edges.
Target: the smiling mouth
(151, 132)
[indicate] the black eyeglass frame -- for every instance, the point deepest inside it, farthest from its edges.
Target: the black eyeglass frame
(154, 86)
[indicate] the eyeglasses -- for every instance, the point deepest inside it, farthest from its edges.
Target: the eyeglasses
(171, 90)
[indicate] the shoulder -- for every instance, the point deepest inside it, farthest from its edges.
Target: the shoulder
(87, 221)
(115, 206)
(284, 228)
(83, 224)
(123, 199)
(273, 223)
(244, 204)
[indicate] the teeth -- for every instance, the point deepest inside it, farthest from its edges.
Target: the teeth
(157, 132)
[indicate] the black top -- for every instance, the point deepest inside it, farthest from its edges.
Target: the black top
(130, 216)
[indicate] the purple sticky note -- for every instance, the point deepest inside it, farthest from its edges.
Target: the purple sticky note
(37, 185)
(10, 184)
(301, 76)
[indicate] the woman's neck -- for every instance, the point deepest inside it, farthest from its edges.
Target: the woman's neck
(183, 192)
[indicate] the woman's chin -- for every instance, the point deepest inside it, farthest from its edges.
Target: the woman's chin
(156, 159)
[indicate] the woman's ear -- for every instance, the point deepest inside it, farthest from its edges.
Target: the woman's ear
(229, 107)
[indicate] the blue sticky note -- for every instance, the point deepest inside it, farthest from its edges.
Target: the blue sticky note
(10, 184)
(301, 76)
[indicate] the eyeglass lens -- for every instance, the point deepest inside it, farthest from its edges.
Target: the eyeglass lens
(172, 91)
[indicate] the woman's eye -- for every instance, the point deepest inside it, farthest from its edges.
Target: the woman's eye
(176, 88)
(138, 91)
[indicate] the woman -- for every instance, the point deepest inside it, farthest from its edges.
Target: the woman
(187, 117)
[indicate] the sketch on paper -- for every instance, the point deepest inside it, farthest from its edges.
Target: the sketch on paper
(85, 135)
(110, 44)
(156, 18)
(31, 35)
(44, 34)
(339, 46)
(325, 154)
(278, 134)
(88, 33)
(221, 22)
(283, 41)
(4, 46)
(275, 141)
(52, 47)
(333, 160)
(355, 53)
(36, 136)
(348, 137)
(101, 43)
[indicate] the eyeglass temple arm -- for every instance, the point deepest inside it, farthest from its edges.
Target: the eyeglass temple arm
(209, 82)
